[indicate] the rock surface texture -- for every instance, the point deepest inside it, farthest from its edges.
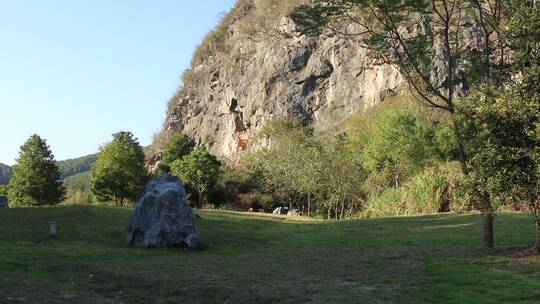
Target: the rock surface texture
(3, 202)
(253, 72)
(162, 216)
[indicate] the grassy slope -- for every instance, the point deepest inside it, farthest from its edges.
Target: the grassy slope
(246, 258)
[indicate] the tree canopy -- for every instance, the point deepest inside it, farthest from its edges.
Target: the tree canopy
(199, 170)
(119, 173)
(178, 146)
(36, 179)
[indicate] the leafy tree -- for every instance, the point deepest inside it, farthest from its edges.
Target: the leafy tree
(316, 174)
(501, 133)
(523, 31)
(383, 26)
(503, 124)
(344, 178)
(243, 186)
(199, 170)
(119, 173)
(396, 147)
(36, 180)
(289, 169)
(179, 146)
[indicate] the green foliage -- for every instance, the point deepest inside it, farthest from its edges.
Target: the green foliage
(78, 197)
(199, 170)
(119, 173)
(77, 165)
(5, 174)
(36, 180)
(79, 181)
(178, 146)
(314, 174)
(242, 188)
(3, 190)
(344, 179)
(523, 32)
(501, 133)
(435, 189)
(399, 144)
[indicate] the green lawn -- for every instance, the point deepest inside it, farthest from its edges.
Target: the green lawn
(262, 259)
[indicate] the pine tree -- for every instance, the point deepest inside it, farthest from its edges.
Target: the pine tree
(36, 180)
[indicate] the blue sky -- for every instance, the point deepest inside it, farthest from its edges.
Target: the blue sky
(76, 71)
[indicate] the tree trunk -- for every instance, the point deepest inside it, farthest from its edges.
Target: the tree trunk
(537, 245)
(488, 230)
(309, 204)
(199, 202)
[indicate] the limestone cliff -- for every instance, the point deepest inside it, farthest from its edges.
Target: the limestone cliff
(245, 73)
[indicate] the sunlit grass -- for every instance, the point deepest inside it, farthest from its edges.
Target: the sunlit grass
(249, 258)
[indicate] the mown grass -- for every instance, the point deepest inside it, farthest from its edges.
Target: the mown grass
(262, 259)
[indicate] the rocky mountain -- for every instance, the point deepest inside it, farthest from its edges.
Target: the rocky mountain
(256, 65)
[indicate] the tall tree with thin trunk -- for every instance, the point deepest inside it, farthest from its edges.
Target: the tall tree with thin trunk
(422, 37)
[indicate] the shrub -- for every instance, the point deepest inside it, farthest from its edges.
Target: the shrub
(435, 189)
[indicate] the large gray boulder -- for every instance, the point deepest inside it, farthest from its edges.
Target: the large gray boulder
(162, 216)
(3, 202)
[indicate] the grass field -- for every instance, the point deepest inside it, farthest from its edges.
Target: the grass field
(263, 259)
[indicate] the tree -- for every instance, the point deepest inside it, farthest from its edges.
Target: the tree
(501, 135)
(423, 38)
(523, 31)
(503, 124)
(397, 146)
(344, 178)
(36, 180)
(316, 174)
(199, 170)
(291, 162)
(179, 146)
(119, 173)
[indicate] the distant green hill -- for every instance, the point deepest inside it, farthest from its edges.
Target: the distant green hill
(75, 172)
(75, 166)
(5, 174)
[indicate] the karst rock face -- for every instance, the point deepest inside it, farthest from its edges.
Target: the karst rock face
(227, 96)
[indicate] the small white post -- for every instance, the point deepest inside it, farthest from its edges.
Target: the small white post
(52, 229)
